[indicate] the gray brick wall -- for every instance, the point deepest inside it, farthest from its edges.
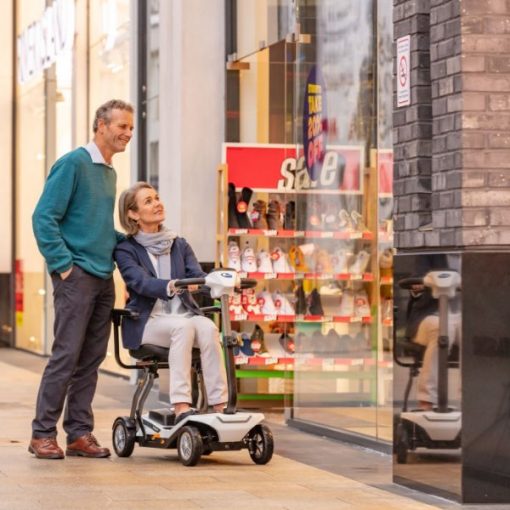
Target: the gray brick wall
(412, 129)
(486, 122)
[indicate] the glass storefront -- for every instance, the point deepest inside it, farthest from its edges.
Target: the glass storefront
(315, 80)
(51, 120)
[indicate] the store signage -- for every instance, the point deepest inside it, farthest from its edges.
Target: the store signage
(39, 46)
(404, 71)
(268, 167)
(315, 123)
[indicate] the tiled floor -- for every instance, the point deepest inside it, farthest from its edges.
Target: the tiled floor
(307, 472)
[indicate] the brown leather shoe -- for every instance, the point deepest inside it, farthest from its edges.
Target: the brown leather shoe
(45, 448)
(87, 446)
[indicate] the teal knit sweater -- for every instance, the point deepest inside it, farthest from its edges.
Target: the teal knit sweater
(73, 220)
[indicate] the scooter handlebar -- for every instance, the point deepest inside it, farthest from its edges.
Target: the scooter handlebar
(246, 283)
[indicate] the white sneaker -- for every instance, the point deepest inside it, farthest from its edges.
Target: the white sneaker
(361, 305)
(281, 261)
(360, 263)
(250, 303)
(248, 261)
(347, 304)
(282, 304)
(357, 221)
(330, 289)
(266, 303)
(344, 220)
(234, 305)
(340, 261)
(234, 256)
(264, 264)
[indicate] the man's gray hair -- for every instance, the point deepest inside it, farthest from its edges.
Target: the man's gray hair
(104, 112)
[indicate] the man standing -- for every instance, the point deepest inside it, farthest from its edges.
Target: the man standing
(73, 225)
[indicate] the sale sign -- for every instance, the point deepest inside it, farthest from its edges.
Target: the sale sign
(279, 167)
(315, 123)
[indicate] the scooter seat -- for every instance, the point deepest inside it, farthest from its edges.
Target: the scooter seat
(150, 352)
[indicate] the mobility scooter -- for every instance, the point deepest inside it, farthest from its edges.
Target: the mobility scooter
(197, 434)
(440, 427)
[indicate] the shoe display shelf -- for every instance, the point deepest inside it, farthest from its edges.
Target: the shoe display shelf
(321, 270)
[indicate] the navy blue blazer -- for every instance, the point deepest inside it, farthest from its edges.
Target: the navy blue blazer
(144, 287)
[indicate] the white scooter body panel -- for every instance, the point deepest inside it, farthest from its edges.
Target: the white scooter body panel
(230, 427)
(439, 426)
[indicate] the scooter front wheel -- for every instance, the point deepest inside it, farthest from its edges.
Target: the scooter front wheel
(123, 437)
(189, 446)
(261, 444)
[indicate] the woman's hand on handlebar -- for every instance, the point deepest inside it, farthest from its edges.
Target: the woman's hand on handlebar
(173, 290)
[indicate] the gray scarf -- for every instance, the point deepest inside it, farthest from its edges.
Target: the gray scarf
(158, 243)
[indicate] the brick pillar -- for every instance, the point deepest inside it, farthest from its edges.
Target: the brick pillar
(412, 129)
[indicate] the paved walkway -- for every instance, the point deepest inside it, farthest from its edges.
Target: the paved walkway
(155, 479)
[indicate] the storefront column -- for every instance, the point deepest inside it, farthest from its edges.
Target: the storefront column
(192, 108)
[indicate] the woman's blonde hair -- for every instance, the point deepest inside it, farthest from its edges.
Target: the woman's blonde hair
(127, 202)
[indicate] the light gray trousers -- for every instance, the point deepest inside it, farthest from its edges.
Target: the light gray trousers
(180, 335)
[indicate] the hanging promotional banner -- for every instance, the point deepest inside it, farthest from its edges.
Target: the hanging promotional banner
(315, 123)
(270, 167)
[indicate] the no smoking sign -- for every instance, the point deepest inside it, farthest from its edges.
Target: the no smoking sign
(403, 71)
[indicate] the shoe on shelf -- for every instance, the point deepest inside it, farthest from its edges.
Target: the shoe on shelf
(347, 305)
(45, 448)
(300, 300)
(361, 304)
(386, 259)
(258, 215)
(297, 260)
(248, 260)
(287, 343)
(232, 203)
(87, 446)
(314, 303)
(242, 208)
(274, 215)
(344, 221)
(289, 220)
(264, 264)
(246, 345)
(357, 221)
(250, 302)
(340, 261)
(257, 341)
(265, 301)
(323, 262)
(331, 289)
(280, 261)
(360, 263)
(282, 304)
(234, 256)
(235, 304)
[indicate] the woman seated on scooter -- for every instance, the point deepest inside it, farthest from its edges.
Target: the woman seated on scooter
(150, 260)
(422, 327)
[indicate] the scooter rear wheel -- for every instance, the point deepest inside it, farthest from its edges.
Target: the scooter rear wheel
(123, 437)
(189, 446)
(401, 443)
(261, 444)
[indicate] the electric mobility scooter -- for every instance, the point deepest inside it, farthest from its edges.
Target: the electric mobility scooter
(440, 427)
(197, 434)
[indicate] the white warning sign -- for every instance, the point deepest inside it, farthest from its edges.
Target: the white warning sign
(404, 71)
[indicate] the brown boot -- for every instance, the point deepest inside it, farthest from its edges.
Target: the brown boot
(45, 448)
(87, 446)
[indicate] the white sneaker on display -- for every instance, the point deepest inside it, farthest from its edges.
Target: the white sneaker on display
(266, 303)
(361, 305)
(250, 302)
(234, 256)
(264, 264)
(282, 304)
(248, 261)
(281, 261)
(234, 306)
(360, 263)
(357, 221)
(344, 220)
(347, 304)
(330, 289)
(340, 261)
